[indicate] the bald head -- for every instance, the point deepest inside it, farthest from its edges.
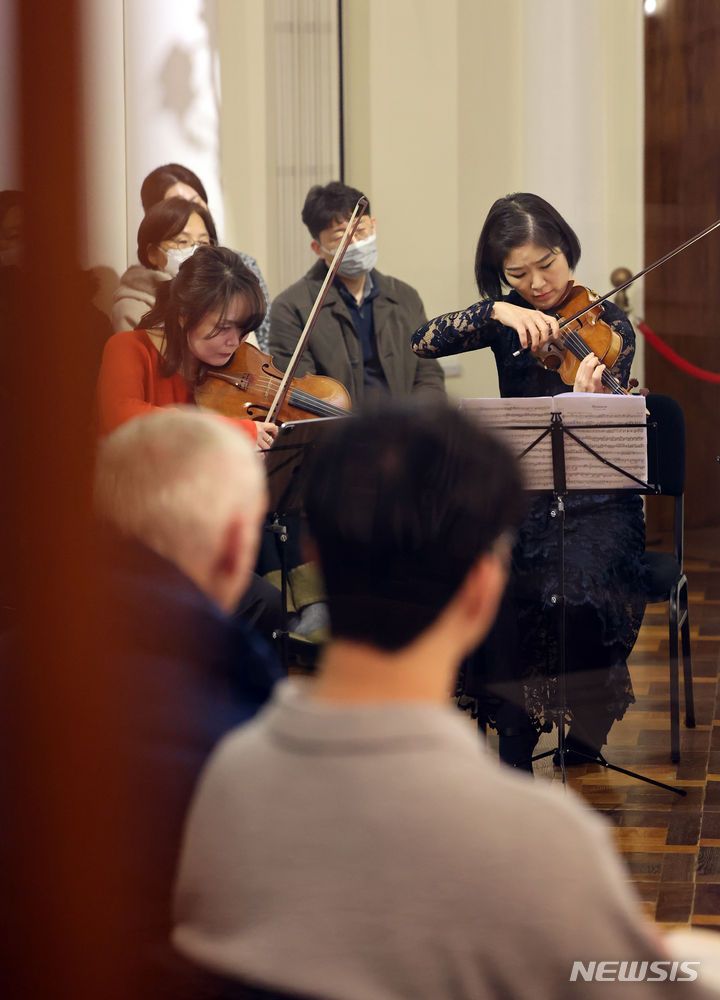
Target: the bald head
(192, 488)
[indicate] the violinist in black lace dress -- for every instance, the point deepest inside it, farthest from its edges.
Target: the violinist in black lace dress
(526, 246)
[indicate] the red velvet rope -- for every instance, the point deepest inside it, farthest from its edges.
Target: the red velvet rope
(673, 358)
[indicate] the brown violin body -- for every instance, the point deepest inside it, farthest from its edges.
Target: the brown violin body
(247, 385)
(580, 336)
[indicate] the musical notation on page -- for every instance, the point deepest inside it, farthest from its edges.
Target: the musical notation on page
(614, 427)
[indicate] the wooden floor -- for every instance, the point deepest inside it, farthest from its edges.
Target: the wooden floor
(671, 844)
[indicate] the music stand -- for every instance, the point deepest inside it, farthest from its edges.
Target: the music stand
(294, 443)
(558, 432)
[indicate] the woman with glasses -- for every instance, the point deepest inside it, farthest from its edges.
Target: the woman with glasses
(169, 234)
(198, 321)
(173, 180)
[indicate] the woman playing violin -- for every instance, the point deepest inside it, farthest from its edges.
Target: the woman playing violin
(199, 319)
(527, 247)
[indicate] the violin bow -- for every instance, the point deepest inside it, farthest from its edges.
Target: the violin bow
(352, 225)
(619, 288)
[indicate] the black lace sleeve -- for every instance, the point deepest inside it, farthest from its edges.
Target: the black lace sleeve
(454, 333)
(620, 323)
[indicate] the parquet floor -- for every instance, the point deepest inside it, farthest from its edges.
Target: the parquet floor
(671, 844)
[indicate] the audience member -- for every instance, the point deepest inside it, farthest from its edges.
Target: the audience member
(172, 180)
(182, 496)
(169, 233)
(91, 321)
(362, 334)
(356, 840)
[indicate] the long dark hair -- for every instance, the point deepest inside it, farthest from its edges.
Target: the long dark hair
(165, 221)
(512, 221)
(207, 282)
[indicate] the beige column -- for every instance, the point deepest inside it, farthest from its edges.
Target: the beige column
(107, 249)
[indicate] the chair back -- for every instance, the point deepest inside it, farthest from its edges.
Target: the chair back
(666, 448)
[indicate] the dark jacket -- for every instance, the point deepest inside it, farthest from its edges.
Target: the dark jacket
(334, 347)
(182, 674)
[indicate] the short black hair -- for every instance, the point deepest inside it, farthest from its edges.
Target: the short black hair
(328, 204)
(512, 221)
(400, 505)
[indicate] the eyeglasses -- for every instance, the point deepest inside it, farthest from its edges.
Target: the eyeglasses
(183, 243)
(364, 229)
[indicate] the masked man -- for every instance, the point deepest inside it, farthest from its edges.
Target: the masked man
(362, 335)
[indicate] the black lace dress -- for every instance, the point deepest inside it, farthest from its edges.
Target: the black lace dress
(604, 542)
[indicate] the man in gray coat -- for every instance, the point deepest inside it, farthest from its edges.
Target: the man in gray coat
(362, 334)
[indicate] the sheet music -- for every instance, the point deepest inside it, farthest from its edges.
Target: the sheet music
(520, 422)
(625, 446)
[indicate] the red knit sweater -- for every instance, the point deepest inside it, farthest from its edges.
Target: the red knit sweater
(130, 383)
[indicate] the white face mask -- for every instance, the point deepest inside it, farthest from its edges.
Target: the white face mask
(177, 257)
(359, 258)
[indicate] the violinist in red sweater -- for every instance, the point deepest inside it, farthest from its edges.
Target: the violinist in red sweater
(198, 321)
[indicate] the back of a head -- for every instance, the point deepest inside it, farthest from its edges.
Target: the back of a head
(173, 479)
(400, 505)
(159, 180)
(328, 204)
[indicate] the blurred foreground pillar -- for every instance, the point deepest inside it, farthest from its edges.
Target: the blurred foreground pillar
(62, 901)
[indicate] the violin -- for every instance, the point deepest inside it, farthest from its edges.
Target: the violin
(582, 332)
(247, 385)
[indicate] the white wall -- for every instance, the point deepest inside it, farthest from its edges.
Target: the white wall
(247, 146)
(108, 250)
(152, 96)
(172, 93)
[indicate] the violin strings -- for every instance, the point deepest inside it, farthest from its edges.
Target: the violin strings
(318, 406)
(581, 350)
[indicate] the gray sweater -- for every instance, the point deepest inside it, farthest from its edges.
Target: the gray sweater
(378, 853)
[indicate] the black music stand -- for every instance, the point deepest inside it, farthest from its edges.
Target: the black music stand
(558, 432)
(294, 443)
